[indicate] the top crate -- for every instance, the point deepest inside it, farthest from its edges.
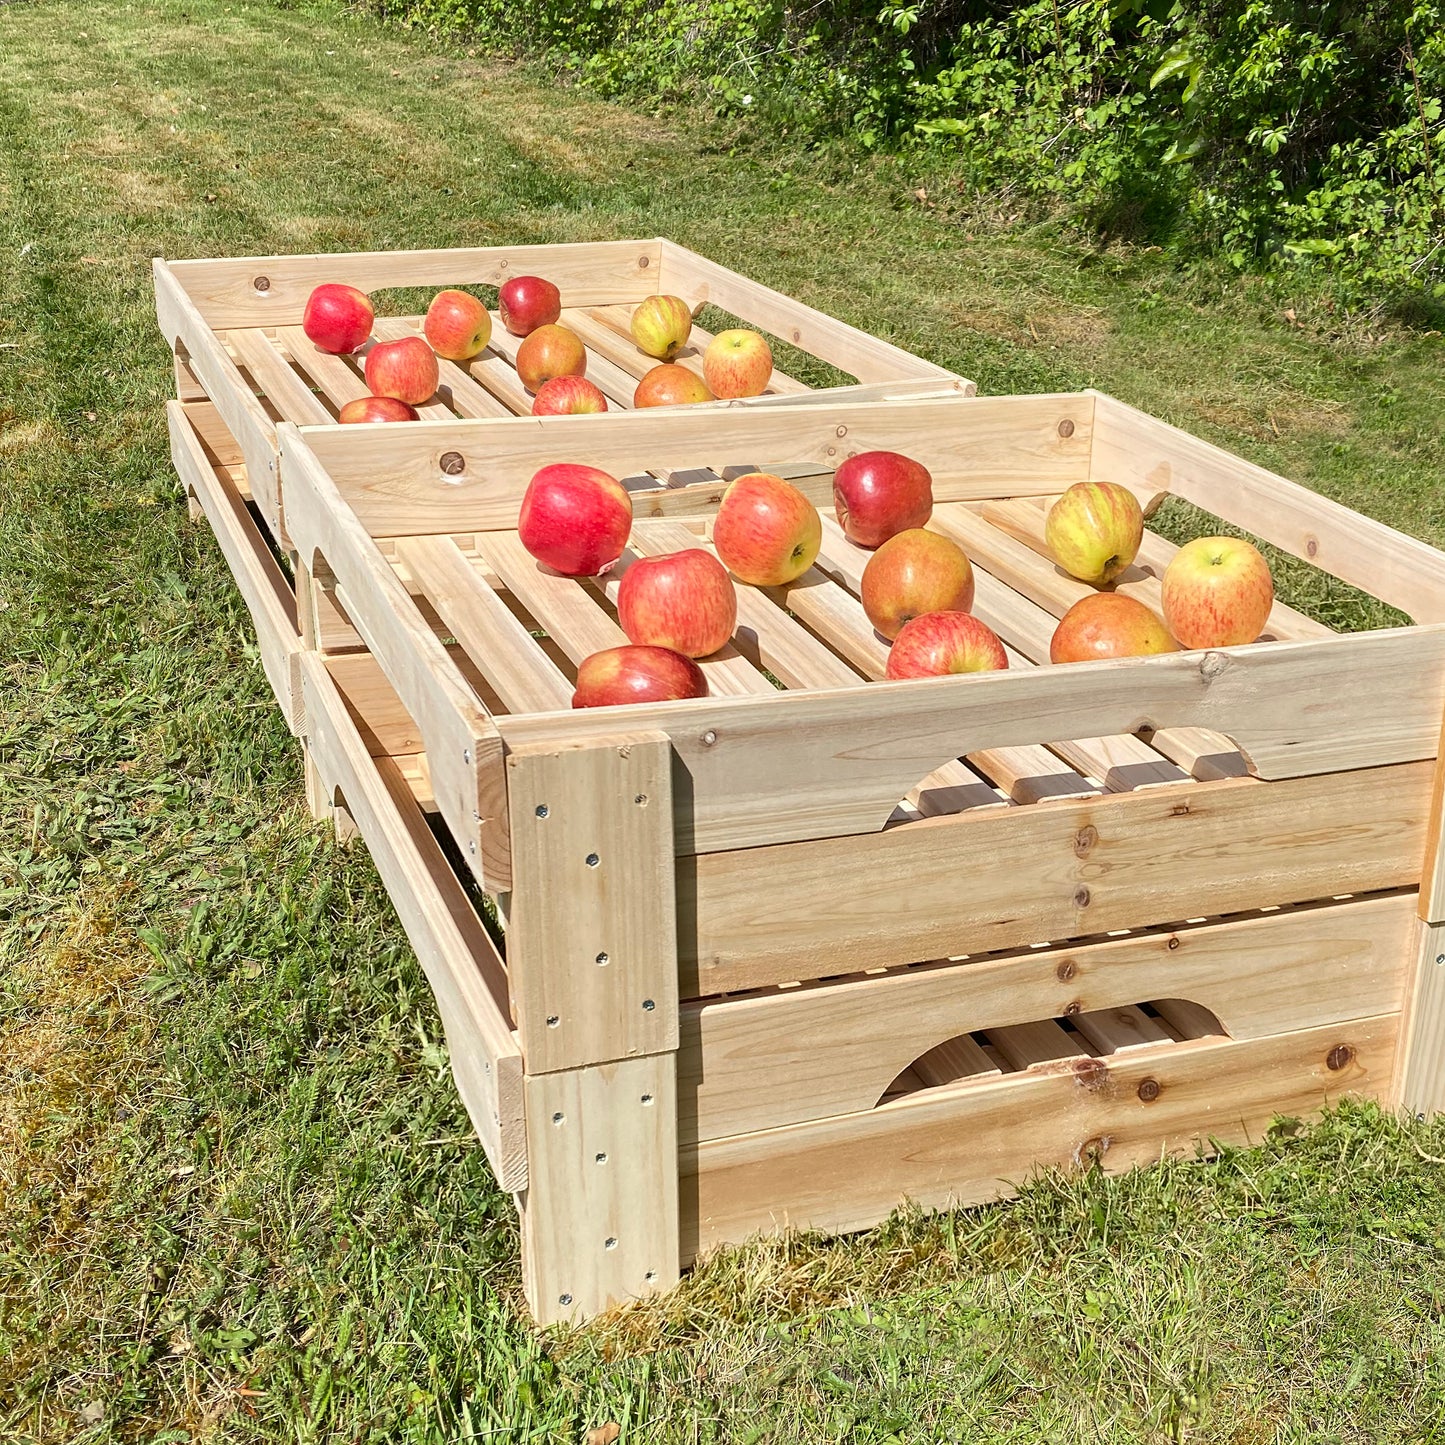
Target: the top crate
(235, 327)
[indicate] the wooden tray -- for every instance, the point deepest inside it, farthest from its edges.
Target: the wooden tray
(787, 954)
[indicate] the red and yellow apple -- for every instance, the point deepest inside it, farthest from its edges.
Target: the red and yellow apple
(405, 369)
(527, 302)
(1108, 624)
(568, 396)
(737, 363)
(670, 385)
(879, 494)
(912, 573)
(622, 675)
(661, 326)
(938, 643)
(547, 352)
(575, 519)
(1094, 531)
(376, 408)
(766, 531)
(338, 318)
(685, 601)
(1217, 592)
(457, 325)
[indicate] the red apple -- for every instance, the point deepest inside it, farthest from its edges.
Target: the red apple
(1108, 624)
(405, 369)
(661, 326)
(376, 408)
(684, 601)
(457, 325)
(670, 385)
(878, 494)
(942, 642)
(550, 351)
(766, 530)
(637, 674)
(1094, 530)
(1217, 592)
(527, 302)
(575, 519)
(912, 573)
(338, 318)
(568, 396)
(737, 363)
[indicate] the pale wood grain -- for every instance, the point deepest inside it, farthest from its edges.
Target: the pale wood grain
(286, 391)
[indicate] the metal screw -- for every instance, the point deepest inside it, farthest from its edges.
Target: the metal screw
(643, 262)
(472, 846)
(453, 463)
(559, 1118)
(603, 960)
(646, 1100)
(564, 1299)
(552, 1021)
(709, 738)
(648, 1005)
(641, 800)
(1339, 1057)
(467, 756)
(542, 810)
(610, 1242)
(650, 1276)
(1149, 1091)
(601, 1158)
(593, 860)
(262, 283)
(1066, 428)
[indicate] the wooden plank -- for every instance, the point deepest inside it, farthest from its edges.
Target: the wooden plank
(216, 440)
(592, 938)
(1038, 1042)
(959, 1058)
(977, 1140)
(1186, 1019)
(1125, 860)
(454, 949)
(337, 379)
(263, 586)
(783, 1057)
(697, 280)
(974, 447)
(273, 374)
(847, 756)
(226, 295)
(187, 333)
(456, 389)
(1111, 1031)
(615, 384)
(1154, 457)
(188, 385)
(1432, 873)
(1422, 1065)
(600, 1215)
(463, 747)
(507, 654)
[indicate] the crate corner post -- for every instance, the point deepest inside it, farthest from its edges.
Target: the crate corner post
(1422, 1064)
(592, 958)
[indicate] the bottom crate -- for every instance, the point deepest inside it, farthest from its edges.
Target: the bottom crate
(825, 1105)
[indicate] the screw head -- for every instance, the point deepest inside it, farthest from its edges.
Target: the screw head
(641, 800)
(1148, 1091)
(593, 860)
(1340, 1057)
(1066, 428)
(559, 1117)
(610, 1242)
(552, 1021)
(648, 1005)
(603, 960)
(542, 810)
(709, 738)
(262, 283)
(601, 1158)
(646, 1100)
(453, 463)
(564, 1299)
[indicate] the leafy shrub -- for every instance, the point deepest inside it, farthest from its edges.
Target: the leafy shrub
(1280, 134)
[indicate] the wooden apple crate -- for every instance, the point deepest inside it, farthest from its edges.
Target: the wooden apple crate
(789, 954)
(243, 363)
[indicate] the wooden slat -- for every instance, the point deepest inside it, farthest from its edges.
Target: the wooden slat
(959, 1058)
(272, 372)
(976, 1140)
(592, 936)
(337, 379)
(615, 384)
(600, 1216)
(263, 585)
(974, 447)
(456, 389)
(1040, 1041)
(506, 653)
(1156, 458)
(1125, 860)
(1116, 1029)
(1189, 1020)
(783, 1057)
(461, 963)
(587, 273)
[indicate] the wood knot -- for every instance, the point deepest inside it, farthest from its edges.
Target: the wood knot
(1066, 970)
(1091, 1151)
(1066, 428)
(1081, 897)
(1092, 1074)
(1085, 839)
(1073, 1009)
(1312, 547)
(643, 262)
(453, 463)
(1211, 665)
(1340, 1057)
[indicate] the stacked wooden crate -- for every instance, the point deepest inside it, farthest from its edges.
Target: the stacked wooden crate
(790, 953)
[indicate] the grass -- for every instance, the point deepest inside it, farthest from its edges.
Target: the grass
(238, 1198)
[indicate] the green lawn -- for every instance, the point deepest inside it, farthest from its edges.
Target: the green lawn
(238, 1198)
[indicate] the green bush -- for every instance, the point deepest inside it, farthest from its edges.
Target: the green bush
(1279, 134)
